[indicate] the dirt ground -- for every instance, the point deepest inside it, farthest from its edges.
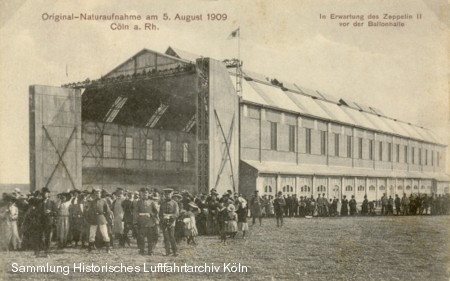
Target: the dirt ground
(359, 248)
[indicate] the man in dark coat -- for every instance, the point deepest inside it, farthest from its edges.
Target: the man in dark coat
(398, 203)
(279, 203)
(48, 211)
(256, 205)
(294, 209)
(127, 206)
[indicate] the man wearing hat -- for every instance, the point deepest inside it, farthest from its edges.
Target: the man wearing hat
(279, 203)
(47, 209)
(212, 222)
(118, 225)
(97, 211)
(127, 206)
(256, 204)
(177, 197)
(147, 222)
(168, 215)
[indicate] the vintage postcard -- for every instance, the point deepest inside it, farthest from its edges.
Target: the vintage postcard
(212, 140)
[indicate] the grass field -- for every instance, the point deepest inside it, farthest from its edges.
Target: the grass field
(359, 248)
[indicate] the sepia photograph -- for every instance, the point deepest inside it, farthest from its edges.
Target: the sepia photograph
(224, 140)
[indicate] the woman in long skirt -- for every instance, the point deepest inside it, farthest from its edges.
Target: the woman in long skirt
(12, 231)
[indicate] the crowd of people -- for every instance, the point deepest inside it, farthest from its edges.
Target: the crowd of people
(304, 206)
(99, 219)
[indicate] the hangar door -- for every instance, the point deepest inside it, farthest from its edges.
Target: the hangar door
(55, 138)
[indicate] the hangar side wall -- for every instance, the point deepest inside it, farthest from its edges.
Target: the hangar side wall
(275, 139)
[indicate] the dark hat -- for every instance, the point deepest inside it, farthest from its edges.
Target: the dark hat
(45, 190)
(143, 189)
(177, 195)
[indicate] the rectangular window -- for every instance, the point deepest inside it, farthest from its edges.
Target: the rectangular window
(336, 145)
(168, 151)
(413, 157)
(308, 141)
(149, 149)
(185, 152)
(432, 158)
(360, 148)
(349, 146)
(420, 156)
(106, 146)
(397, 155)
(292, 138)
(380, 152)
(426, 157)
(273, 135)
(129, 148)
(371, 149)
(323, 142)
(406, 154)
(437, 158)
(390, 152)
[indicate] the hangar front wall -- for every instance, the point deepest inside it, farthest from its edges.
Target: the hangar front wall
(55, 138)
(223, 130)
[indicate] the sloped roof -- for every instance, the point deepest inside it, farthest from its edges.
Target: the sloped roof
(267, 167)
(258, 89)
(172, 51)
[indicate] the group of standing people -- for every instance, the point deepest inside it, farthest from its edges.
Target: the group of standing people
(98, 218)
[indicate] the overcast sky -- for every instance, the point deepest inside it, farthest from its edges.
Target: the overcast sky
(402, 71)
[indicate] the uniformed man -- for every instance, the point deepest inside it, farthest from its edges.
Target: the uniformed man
(97, 212)
(168, 215)
(255, 206)
(147, 221)
(279, 203)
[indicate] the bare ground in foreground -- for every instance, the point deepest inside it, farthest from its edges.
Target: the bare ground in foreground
(359, 248)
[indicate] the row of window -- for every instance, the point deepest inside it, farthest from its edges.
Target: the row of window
(321, 188)
(323, 144)
(148, 149)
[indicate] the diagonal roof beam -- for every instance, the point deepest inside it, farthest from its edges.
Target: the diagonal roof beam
(157, 115)
(190, 124)
(115, 109)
